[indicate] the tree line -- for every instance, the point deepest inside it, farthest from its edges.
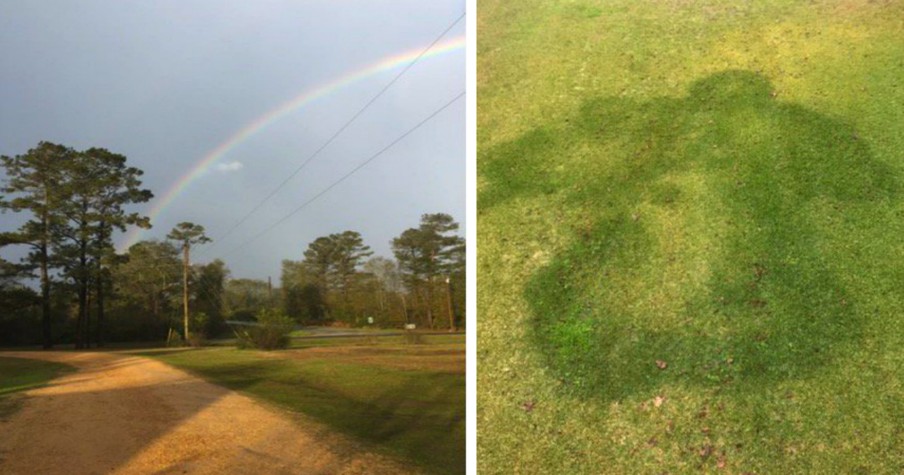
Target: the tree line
(73, 202)
(338, 281)
(75, 199)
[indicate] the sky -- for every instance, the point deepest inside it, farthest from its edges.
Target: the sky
(199, 95)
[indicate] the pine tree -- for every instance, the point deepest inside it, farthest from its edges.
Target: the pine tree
(34, 181)
(427, 252)
(187, 234)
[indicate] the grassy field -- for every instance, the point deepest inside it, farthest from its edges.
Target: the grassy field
(19, 374)
(406, 400)
(378, 341)
(690, 231)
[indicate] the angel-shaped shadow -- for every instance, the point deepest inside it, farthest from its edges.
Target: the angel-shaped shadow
(722, 240)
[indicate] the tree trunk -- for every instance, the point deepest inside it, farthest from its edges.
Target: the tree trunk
(421, 311)
(45, 277)
(185, 288)
(345, 291)
(325, 297)
(82, 339)
(449, 304)
(81, 336)
(99, 338)
(430, 302)
(99, 287)
(45, 299)
(405, 307)
(82, 310)
(87, 313)
(155, 308)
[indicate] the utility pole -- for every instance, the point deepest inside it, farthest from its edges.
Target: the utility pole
(187, 234)
(449, 304)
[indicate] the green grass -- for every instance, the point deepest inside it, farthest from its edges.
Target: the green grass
(373, 341)
(20, 374)
(364, 330)
(713, 185)
(363, 340)
(417, 415)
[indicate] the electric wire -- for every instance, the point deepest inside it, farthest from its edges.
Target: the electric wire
(347, 175)
(335, 135)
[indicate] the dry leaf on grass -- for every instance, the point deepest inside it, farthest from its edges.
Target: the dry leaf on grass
(658, 401)
(721, 462)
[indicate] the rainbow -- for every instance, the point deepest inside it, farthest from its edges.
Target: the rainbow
(278, 113)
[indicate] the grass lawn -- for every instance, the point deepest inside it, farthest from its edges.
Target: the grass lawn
(20, 374)
(375, 341)
(406, 400)
(691, 234)
(368, 340)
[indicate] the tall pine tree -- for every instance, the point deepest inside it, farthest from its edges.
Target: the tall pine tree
(426, 253)
(33, 181)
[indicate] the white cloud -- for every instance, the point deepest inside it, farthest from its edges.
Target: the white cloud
(229, 167)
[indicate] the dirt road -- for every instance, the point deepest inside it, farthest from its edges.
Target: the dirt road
(124, 414)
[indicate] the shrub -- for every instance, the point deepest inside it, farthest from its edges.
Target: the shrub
(244, 314)
(271, 331)
(173, 338)
(198, 331)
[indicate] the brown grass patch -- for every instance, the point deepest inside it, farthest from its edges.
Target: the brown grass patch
(439, 358)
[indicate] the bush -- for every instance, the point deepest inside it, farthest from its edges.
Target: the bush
(173, 339)
(271, 331)
(244, 315)
(197, 335)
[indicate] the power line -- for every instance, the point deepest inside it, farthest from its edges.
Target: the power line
(336, 134)
(344, 177)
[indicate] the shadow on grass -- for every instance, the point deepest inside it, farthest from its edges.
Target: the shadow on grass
(128, 421)
(157, 420)
(417, 415)
(21, 374)
(18, 375)
(713, 233)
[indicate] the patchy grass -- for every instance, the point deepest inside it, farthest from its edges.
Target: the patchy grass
(407, 400)
(21, 374)
(434, 358)
(690, 220)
